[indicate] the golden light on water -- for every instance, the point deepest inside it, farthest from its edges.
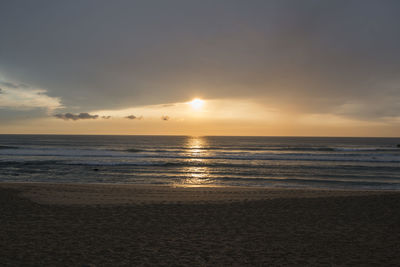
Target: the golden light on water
(196, 146)
(196, 176)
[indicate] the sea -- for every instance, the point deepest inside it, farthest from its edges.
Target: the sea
(273, 162)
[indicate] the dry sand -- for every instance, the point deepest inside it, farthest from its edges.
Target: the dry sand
(113, 225)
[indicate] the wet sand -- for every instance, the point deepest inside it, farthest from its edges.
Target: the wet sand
(114, 225)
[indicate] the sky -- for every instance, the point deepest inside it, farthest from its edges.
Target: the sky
(260, 67)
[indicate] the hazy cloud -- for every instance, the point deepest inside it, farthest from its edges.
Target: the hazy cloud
(165, 118)
(309, 56)
(106, 117)
(22, 97)
(168, 105)
(74, 117)
(13, 85)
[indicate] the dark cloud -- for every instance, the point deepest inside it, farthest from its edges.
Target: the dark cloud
(314, 56)
(1, 91)
(74, 117)
(131, 117)
(13, 85)
(165, 118)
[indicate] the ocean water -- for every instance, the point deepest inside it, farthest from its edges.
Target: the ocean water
(295, 162)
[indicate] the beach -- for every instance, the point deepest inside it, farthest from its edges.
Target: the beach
(51, 224)
(199, 133)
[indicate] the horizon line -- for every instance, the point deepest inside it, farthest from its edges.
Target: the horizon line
(182, 135)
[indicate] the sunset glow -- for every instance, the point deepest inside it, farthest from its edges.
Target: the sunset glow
(199, 133)
(244, 70)
(197, 103)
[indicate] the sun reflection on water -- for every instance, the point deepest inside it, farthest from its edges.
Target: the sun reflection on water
(196, 174)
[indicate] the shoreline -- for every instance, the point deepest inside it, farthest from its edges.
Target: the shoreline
(125, 194)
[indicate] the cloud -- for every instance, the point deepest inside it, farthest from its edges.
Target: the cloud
(168, 105)
(13, 85)
(23, 97)
(74, 117)
(165, 118)
(308, 56)
(106, 117)
(133, 117)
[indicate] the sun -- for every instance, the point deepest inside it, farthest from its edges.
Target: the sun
(197, 103)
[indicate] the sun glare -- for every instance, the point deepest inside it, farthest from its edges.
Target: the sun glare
(197, 103)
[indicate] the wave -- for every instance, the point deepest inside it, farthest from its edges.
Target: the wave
(134, 150)
(310, 149)
(189, 164)
(333, 149)
(8, 147)
(260, 148)
(368, 149)
(185, 152)
(29, 162)
(103, 157)
(67, 152)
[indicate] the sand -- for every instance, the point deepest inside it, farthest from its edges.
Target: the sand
(115, 225)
